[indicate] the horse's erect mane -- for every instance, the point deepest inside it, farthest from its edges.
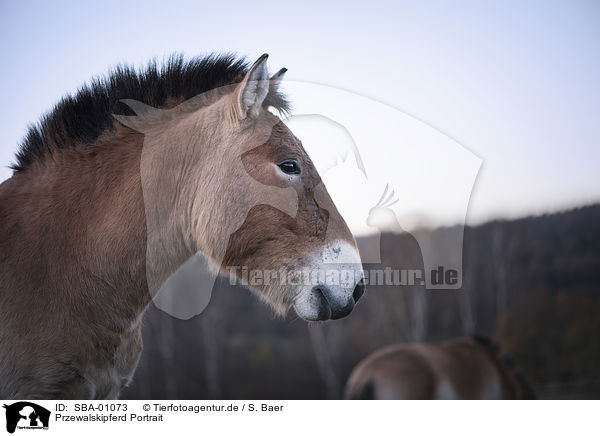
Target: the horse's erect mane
(83, 117)
(510, 364)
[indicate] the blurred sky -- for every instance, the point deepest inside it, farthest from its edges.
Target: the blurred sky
(514, 82)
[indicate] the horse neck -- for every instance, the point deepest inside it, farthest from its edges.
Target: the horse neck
(81, 213)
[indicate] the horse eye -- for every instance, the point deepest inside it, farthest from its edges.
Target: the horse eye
(290, 167)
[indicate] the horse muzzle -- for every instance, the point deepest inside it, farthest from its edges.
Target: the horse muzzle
(338, 288)
(324, 303)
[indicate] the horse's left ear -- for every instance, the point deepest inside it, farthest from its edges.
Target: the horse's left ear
(275, 81)
(252, 91)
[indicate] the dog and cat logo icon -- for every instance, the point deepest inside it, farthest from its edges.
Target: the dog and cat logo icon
(26, 415)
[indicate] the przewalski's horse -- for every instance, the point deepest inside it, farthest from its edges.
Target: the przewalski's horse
(463, 368)
(74, 273)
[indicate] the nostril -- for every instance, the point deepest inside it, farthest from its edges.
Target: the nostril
(333, 303)
(359, 290)
(323, 307)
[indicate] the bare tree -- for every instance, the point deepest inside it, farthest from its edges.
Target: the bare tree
(166, 341)
(468, 294)
(324, 360)
(500, 270)
(418, 306)
(210, 335)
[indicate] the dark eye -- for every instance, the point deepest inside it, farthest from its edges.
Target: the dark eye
(290, 167)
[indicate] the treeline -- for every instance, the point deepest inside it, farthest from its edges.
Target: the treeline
(531, 284)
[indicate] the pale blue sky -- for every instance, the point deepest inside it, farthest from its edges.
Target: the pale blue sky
(515, 82)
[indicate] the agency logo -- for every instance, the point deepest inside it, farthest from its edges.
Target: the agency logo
(26, 415)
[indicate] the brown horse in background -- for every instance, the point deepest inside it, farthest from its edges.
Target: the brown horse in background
(463, 368)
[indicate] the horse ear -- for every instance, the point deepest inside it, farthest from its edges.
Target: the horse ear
(252, 91)
(276, 79)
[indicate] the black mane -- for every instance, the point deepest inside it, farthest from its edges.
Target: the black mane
(510, 364)
(83, 117)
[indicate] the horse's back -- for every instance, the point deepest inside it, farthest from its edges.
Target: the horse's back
(457, 369)
(395, 372)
